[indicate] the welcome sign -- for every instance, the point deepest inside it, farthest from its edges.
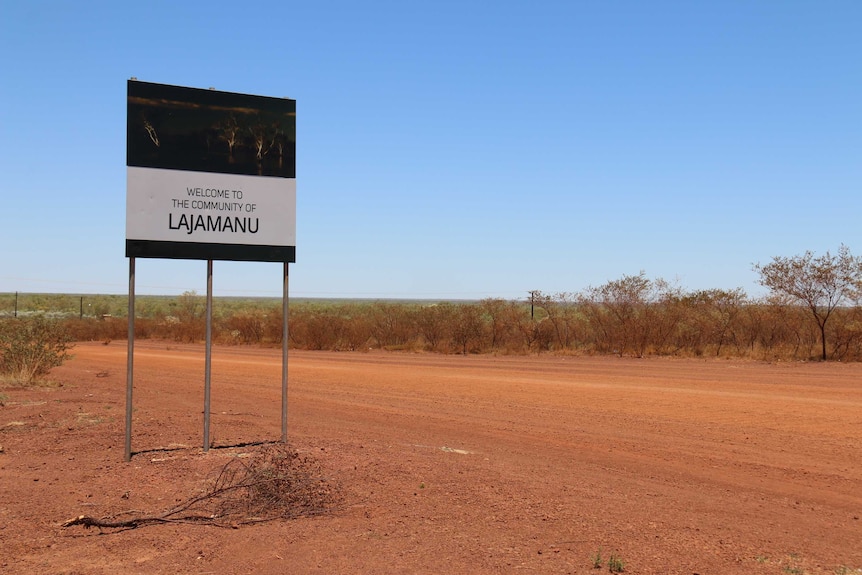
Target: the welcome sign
(210, 175)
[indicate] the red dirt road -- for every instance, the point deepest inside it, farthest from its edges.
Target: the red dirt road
(446, 464)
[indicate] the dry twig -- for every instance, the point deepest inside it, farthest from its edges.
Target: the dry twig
(274, 483)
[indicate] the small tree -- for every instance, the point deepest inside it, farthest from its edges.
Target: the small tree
(819, 283)
(560, 312)
(711, 317)
(466, 326)
(632, 313)
(434, 323)
(30, 348)
(494, 310)
(229, 131)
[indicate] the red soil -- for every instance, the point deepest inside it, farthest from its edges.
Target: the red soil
(446, 464)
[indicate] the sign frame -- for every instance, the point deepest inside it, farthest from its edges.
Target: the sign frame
(211, 175)
(207, 171)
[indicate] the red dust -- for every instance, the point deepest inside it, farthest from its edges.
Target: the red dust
(444, 464)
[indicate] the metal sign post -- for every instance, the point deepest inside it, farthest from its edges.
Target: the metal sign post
(130, 361)
(209, 355)
(284, 342)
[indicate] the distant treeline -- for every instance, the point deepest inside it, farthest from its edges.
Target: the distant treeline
(55, 305)
(633, 316)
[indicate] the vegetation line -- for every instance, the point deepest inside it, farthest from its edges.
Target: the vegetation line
(813, 311)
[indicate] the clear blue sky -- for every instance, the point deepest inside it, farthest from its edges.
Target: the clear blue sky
(453, 149)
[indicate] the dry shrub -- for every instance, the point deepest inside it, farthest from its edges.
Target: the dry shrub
(245, 328)
(31, 347)
(274, 482)
(96, 329)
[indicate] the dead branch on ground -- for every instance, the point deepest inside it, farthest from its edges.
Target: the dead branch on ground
(275, 482)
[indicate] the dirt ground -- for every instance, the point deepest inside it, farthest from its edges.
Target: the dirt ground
(445, 464)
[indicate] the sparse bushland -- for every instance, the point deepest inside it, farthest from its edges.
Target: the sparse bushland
(634, 316)
(631, 317)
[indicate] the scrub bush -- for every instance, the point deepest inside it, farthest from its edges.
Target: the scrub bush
(31, 347)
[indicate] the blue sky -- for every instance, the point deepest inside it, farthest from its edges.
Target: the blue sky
(453, 149)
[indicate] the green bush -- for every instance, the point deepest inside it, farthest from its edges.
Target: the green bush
(616, 564)
(31, 347)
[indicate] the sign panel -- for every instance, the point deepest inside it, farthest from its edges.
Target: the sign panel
(210, 175)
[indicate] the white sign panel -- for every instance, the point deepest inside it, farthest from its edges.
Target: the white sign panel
(178, 206)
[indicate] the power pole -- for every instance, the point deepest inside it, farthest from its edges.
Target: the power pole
(532, 303)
